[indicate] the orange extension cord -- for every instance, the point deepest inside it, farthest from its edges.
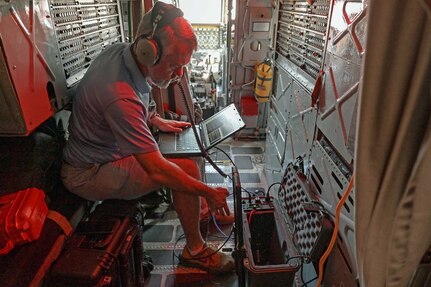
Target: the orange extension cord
(335, 233)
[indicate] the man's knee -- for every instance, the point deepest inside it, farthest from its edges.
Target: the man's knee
(188, 165)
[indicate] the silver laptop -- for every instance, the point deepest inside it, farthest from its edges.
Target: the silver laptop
(210, 132)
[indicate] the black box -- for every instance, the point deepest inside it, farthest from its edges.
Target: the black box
(105, 250)
(271, 258)
(100, 253)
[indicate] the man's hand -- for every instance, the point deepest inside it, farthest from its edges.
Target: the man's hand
(169, 126)
(217, 201)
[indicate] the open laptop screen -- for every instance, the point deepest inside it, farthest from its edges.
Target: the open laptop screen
(222, 124)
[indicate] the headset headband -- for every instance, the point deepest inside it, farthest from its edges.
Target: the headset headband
(163, 14)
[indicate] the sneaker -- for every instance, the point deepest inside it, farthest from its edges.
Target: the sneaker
(209, 260)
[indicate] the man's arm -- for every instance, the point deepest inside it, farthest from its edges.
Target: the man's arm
(165, 173)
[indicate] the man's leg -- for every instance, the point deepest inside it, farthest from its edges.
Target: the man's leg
(125, 179)
(196, 253)
(187, 206)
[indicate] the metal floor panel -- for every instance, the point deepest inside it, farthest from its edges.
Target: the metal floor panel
(163, 257)
(243, 162)
(224, 147)
(158, 233)
(247, 150)
(155, 280)
(163, 235)
(217, 155)
(247, 177)
(214, 178)
(202, 280)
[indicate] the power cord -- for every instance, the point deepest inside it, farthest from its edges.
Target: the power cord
(269, 188)
(217, 226)
(192, 122)
(228, 176)
(335, 232)
(174, 255)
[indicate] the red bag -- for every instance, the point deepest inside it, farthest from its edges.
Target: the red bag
(22, 215)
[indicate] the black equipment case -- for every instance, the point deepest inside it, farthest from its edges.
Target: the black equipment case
(265, 253)
(106, 250)
(276, 237)
(270, 253)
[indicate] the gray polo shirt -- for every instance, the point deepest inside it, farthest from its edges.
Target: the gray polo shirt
(110, 110)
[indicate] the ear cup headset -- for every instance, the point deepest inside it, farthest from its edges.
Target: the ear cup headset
(148, 47)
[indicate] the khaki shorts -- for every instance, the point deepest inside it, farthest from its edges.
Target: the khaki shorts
(123, 179)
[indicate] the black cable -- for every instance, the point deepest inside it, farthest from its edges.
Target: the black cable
(309, 281)
(320, 204)
(182, 236)
(248, 192)
(233, 163)
(225, 153)
(192, 122)
(307, 259)
(269, 188)
(259, 191)
(242, 188)
(302, 276)
(175, 245)
(302, 257)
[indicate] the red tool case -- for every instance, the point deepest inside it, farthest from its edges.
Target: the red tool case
(22, 215)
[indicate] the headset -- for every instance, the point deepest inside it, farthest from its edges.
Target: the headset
(148, 47)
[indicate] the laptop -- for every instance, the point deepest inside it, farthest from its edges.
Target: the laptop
(211, 131)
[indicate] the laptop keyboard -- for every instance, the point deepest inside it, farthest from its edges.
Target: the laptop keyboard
(184, 142)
